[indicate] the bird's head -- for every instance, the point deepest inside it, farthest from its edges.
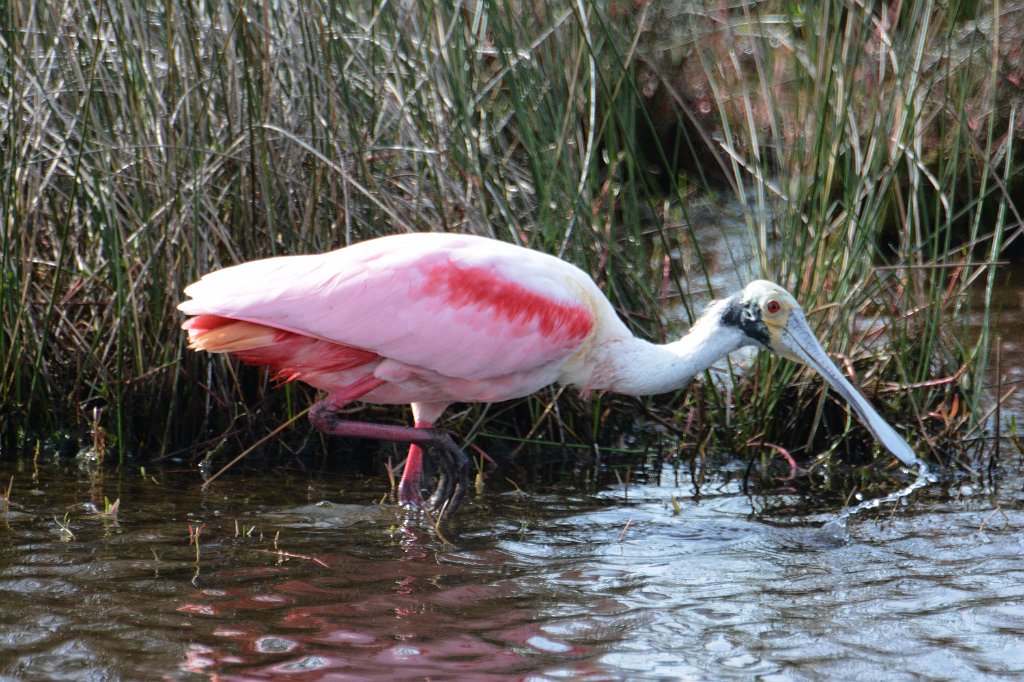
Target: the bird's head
(768, 316)
(764, 312)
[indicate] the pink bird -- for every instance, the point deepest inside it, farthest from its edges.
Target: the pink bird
(431, 319)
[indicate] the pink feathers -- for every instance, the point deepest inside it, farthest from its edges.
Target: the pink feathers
(510, 303)
(438, 316)
(425, 319)
(292, 355)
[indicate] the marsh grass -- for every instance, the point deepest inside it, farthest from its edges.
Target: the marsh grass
(873, 152)
(144, 145)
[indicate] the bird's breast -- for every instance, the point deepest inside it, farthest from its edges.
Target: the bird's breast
(405, 384)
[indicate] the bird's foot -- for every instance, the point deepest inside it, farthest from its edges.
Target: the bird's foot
(409, 493)
(452, 462)
(453, 479)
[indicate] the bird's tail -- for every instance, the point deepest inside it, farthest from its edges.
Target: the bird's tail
(293, 356)
(216, 334)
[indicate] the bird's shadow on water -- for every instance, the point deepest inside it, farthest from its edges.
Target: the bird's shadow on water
(327, 515)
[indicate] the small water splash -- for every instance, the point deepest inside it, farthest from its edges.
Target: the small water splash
(839, 526)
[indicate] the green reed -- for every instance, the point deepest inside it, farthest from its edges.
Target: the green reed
(869, 146)
(144, 145)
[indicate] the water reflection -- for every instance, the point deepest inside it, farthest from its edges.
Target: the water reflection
(557, 586)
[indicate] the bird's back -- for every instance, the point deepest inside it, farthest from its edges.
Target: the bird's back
(460, 306)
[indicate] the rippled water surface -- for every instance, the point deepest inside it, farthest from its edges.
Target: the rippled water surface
(308, 578)
(555, 586)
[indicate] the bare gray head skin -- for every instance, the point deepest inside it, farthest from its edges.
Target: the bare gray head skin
(771, 318)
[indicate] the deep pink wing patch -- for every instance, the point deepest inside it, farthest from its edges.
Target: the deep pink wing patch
(509, 303)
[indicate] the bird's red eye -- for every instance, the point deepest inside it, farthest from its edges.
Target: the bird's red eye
(773, 306)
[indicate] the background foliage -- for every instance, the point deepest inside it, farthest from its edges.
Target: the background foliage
(870, 149)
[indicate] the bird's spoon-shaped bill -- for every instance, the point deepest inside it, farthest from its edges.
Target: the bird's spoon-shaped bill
(800, 344)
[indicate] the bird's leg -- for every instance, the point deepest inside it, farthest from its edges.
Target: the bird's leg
(453, 464)
(409, 487)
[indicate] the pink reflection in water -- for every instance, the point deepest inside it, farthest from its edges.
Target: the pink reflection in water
(364, 619)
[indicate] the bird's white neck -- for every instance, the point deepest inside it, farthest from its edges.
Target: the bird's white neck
(637, 367)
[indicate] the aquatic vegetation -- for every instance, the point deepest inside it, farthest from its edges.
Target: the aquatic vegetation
(869, 156)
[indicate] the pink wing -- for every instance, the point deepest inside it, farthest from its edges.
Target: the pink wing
(462, 306)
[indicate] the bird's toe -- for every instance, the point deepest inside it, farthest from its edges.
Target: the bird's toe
(453, 480)
(409, 494)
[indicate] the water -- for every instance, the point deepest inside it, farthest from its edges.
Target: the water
(553, 585)
(838, 526)
(546, 586)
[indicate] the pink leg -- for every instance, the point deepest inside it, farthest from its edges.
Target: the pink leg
(453, 464)
(412, 478)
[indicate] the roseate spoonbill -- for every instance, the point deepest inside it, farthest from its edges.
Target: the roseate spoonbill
(431, 319)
